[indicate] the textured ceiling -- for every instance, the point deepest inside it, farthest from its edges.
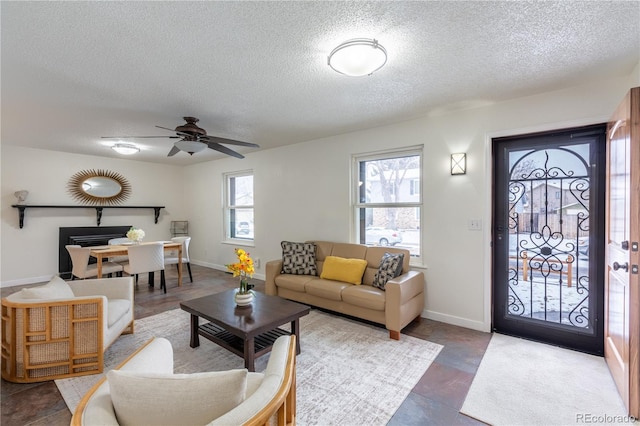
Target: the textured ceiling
(256, 71)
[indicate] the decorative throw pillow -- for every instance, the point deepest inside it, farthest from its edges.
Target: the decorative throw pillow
(390, 267)
(298, 258)
(342, 269)
(175, 399)
(57, 288)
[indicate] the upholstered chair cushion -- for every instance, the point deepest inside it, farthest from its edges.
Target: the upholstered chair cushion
(175, 399)
(116, 309)
(299, 258)
(171, 258)
(145, 258)
(57, 288)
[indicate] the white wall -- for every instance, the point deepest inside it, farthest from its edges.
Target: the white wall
(302, 191)
(30, 254)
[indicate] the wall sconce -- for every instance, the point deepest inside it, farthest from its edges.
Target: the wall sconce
(459, 164)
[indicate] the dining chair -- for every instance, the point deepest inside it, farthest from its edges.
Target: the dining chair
(149, 258)
(83, 269)
(172, 258)
(118, 241)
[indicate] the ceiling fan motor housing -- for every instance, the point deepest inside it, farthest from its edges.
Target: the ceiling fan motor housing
(191, 128)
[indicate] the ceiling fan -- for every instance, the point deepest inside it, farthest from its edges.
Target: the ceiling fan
(194, 139)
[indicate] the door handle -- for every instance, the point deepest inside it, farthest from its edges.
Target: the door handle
(624, 266)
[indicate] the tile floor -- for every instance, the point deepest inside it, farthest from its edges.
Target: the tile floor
(435, 400)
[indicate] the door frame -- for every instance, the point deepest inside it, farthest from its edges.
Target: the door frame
(489, 198)
(571, 337)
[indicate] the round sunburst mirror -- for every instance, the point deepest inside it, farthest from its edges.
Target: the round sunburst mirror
(99, 187)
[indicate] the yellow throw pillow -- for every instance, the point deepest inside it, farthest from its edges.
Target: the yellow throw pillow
(341, 269)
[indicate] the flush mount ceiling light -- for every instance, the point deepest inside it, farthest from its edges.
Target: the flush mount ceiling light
(358, 57)
(190, 146)
(125, 148)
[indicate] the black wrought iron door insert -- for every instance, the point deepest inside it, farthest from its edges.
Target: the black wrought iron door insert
(548, 233)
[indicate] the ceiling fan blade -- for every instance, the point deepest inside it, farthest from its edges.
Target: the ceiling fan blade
(217, 139)
(139, 137)
(224, 149)
(166, 128)
(174, 151)
(181, 134)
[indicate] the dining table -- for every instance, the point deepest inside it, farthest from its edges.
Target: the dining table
(105, 252)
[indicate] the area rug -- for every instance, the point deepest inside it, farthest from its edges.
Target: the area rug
(348, 373)
(520, 382)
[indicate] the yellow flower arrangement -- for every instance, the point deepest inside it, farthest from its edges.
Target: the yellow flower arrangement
(243, 268)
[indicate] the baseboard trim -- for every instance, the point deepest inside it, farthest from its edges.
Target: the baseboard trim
(459, 321)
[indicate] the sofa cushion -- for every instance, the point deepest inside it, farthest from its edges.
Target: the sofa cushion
(364, 296)
(341, 269)
(323, 249)
(116, 309)
(390, 267)
(172, 399)
(348, 250)
(57, 288)
(298, 258)
(294, 282)
(326, 289)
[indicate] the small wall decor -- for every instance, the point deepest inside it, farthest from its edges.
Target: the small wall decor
(21, 195)
(99, 187)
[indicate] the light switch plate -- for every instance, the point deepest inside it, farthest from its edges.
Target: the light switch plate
(475, 224)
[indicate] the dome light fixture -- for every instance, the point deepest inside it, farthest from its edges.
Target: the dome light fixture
(358, 57)
(190, 146)
(125, 148)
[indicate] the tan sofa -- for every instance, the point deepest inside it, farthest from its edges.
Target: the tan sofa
(400, 303)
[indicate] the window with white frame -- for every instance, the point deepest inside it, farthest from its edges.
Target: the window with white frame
(239, 205)
(387, 199)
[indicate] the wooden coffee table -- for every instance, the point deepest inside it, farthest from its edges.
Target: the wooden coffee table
(248, 332)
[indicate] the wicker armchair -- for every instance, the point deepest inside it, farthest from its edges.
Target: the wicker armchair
(61, 329)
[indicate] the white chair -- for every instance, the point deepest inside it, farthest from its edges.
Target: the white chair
(147, 258)
(83, 269)
(270, 397)
(118, 241)
(61, 329)
(172, 259)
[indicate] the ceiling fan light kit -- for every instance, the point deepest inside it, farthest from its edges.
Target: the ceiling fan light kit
(358, 57)
(125, 148)
(190, 146)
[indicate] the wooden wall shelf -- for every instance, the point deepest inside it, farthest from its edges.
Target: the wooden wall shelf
(22, 207)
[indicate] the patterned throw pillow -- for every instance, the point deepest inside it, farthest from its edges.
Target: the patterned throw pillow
(390, 267)
(299, 258)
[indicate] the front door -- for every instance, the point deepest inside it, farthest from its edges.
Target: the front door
(548, 276)
(622, 295)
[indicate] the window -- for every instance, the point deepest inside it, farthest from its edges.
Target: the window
(387, 199)
(239, 205)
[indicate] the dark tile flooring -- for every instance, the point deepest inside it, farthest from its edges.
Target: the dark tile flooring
(435, 400)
